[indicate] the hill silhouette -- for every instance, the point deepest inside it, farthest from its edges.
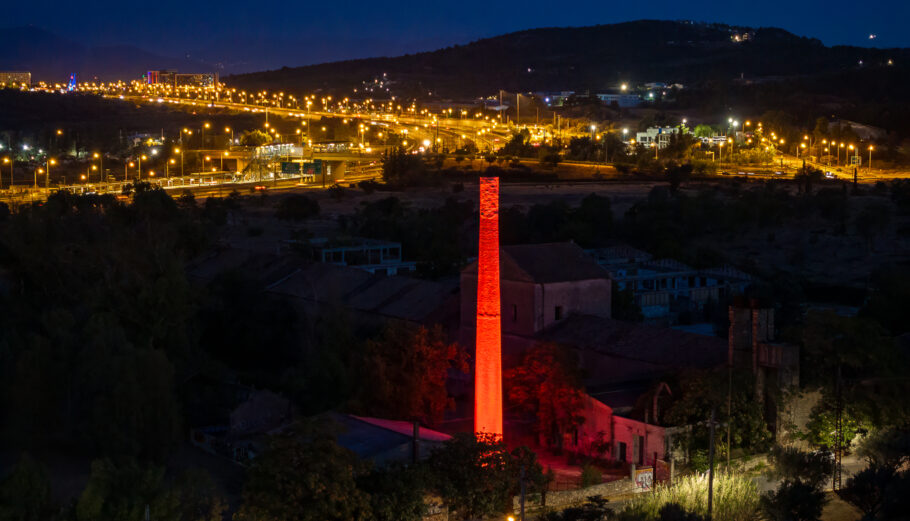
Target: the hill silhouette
(587, 58)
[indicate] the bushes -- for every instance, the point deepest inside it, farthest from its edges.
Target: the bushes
(812, 468)
(590, 475)
(735, 499)
(296, 207)
(793, 501)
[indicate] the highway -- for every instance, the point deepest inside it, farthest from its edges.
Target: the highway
(423, 128)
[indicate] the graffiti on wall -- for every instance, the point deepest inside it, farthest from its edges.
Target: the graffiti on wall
(644, 478)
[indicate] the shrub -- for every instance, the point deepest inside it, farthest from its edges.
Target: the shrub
(590, 475)
(297, 207)
(369, 186)
(793, 501)
(735, 498)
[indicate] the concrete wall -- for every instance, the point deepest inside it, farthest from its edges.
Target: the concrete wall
(567, 498)
(528, 307)
(632, 433)
(597, 429)
(589, 297)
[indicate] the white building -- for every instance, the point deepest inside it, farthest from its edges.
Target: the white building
(659, 135)
(622, 100)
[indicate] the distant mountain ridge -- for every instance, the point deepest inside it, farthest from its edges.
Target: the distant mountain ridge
(580, 58)
(52, 58)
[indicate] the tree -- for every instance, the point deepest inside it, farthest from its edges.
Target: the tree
(255, 138)
(547, 384)
(591, 224)
(697, 392)
(548, 157)
(793, 501)
(476, 476)
(872, 221)
(790, 463)
(886, 448)
(396, 492)
(405, 372)
(678, 174)
(401, 167)
(880, 492)
(890, 289)
(25, 494)
(808, 176)
(704, 131)
(196, 497)
(595, 508)
(304, 476)
(622, 304)
(863, 353)
(821, 128)
(296, 207)
(122, 492)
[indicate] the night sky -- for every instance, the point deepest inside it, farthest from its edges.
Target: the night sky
(333, 30)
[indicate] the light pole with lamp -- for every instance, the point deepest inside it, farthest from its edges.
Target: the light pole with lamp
(870, 163)
(7, 160)
(139, 167)
(48, 176)
(100, 159)
(180, 151)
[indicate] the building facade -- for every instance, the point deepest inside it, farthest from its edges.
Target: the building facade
(15, 78)
(541, 284)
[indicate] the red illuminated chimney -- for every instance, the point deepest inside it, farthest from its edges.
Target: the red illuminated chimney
(488, 357)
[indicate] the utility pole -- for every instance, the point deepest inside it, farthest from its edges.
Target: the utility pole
(518, 108)
(729, 404)
(712, 424)
(521, 503)
(838, 431)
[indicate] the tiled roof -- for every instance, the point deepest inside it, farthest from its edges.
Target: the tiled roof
(391, 296)
(546, 263)
(655, 346)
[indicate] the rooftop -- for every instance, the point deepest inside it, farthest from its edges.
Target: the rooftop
(645, 351)
(546, 263)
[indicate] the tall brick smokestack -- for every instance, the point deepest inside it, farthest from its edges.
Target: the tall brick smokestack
(488, 356)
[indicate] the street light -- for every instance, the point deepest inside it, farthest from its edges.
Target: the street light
(180, 151)
(100, 159)
(7, 160)
(229, 129)
(870, 161)
(47, 178)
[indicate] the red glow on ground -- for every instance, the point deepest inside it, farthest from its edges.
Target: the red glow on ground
(488, 358)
